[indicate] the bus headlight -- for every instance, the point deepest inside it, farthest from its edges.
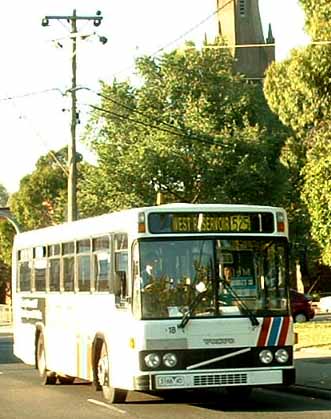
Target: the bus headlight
(266, 356)
(169, 360)
(282, 356)
(152, 360)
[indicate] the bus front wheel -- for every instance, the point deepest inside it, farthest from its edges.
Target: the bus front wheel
(66, 379)
(47, 377)
(111, 394)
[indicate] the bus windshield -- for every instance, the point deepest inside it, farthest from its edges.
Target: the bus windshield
(227, 274)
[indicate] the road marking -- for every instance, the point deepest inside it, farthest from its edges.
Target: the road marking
(108, 406)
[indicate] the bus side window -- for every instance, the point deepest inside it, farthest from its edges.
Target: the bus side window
(25, 276)
(83, 248)
(54, 274)
(25, 269)
(40, 265)
(54, 267)
(84, 272)
(101, 263)
(68, 266)
(121, 265)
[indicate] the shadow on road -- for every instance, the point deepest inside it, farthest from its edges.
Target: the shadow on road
(261, 400)
(6, 351)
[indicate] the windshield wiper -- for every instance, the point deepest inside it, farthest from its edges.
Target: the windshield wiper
(188, 313)
(240, 302)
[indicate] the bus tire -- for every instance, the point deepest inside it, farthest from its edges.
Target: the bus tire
(65, 379)
(111, 394)
(47, 377)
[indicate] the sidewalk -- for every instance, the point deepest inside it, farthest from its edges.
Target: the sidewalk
(6, 329)
(313, 369)
(313, 372)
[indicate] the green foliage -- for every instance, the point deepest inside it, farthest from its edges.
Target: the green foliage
(318, 15)
(3, 196)
(6, 237)
(39, 201)
(192, 129)
(298, 90)
(317, 188)
(7, 233)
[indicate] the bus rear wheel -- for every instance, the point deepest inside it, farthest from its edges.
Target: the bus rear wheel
(47, 377)
(111, 394)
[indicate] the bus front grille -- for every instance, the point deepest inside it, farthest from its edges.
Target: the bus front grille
(206, 380)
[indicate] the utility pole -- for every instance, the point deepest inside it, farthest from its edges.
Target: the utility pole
(72, 175)
(72, 164)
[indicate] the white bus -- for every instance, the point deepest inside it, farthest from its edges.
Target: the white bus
(139, 299)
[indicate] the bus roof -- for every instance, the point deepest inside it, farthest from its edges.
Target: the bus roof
(115, 221)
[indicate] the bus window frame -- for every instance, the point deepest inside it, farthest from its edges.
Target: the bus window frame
(121, 300)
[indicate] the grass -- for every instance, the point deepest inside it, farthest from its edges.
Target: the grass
(313, 334)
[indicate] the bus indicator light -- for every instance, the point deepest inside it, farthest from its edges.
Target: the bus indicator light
(132, 343)
(280, 222)
(141, 223)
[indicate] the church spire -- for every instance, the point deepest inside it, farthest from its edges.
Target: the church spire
(270, 39)
(270, 50)
(240, 23)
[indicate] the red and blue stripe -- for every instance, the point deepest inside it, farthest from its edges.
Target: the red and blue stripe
(274, 331)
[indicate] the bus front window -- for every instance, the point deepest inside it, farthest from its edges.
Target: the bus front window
(173, 272)
(257, 272)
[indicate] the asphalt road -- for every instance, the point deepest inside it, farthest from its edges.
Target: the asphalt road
(22, 396)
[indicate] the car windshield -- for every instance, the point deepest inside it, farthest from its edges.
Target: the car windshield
(231, 277)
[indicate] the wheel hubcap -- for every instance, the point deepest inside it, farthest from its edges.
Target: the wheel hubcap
(103, 371)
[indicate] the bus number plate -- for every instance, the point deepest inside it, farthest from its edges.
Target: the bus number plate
(168, 381)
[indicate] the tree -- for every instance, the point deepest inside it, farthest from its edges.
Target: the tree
(298, 91)
(3, 196)
(6, 235)
(41, 198)
(317, 189)
(192, 129)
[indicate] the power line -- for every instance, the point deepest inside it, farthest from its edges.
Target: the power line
(29, 94)
(178, 132)
(226, 46)
(37, 133)
(129, 108)
(136, 121)
(193, 28)
(256, 45)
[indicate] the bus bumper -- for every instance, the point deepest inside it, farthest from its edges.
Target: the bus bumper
(209, 379)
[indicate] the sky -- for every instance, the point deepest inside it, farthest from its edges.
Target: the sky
(36, 72)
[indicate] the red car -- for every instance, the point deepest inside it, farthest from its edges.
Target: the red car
(301, 307)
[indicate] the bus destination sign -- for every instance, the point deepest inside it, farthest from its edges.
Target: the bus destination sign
(206, 223)
(211, 222)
